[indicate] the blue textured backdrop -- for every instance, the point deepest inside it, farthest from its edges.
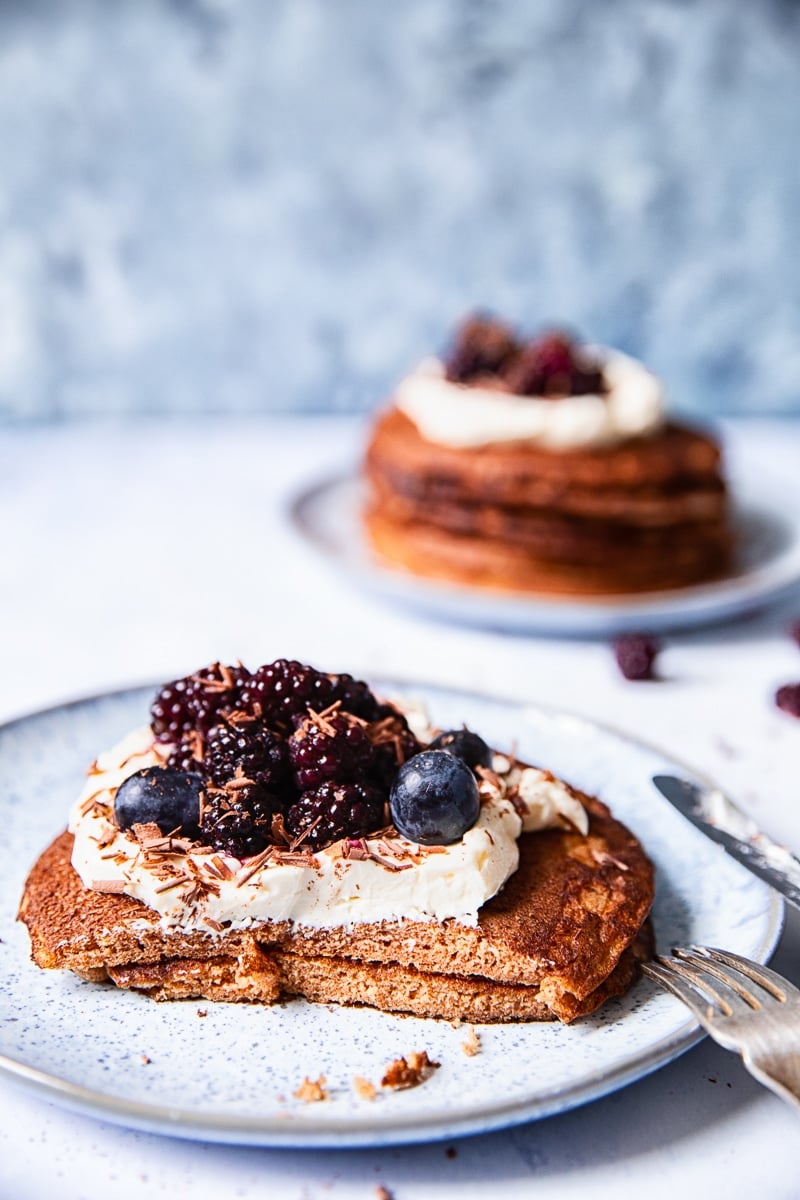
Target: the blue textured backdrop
(221, 205)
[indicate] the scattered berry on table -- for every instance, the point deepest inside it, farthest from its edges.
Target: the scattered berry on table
(170, 798)
(434, 799)
(636, 654)
(466, 745)
(787, 699)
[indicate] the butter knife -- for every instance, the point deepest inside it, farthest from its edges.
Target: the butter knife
(718, 817)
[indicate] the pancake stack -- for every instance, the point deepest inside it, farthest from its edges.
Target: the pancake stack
(638, 514)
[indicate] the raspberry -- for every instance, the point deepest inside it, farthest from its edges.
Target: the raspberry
(481, 347)
(333, 748)
(636, 654)
(336, 810)
(787, 698)
(239, 821)
(250, 752)
(193, 703)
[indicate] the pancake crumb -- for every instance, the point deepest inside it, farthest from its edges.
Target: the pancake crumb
(383, 1193)
(472, 1043)
(409, 1072)
(311, 1091)
(364, 1088)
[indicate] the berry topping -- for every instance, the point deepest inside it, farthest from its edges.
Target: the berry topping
(330, 747)
(170, 798)
(552, 366)
(249, 751)
(336, 810)
(283, 691)
(481, 346)
(636, 653)
(787, 698)
(465, 745)
(192, 705)
(237, 819)
(434, 799)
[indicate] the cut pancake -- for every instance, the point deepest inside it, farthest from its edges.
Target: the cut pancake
(565, 933)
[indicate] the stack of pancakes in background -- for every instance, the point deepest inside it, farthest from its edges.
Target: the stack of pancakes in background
(624, 512)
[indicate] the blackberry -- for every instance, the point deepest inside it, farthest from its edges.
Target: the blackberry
(340, 810)
(336, 748)
(357, 698)
(239, 821)
(280, 691)
(249, 752)
(193, 703)
(187, 754)
(482, 346)
(636, 653)
(551, 366)
(394, 744)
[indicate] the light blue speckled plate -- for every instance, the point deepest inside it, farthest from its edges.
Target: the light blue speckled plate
(230, 1075)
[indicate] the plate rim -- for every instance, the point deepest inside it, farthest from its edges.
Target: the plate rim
(277, 1132)
(697, 604)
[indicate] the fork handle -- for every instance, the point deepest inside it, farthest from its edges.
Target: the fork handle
(779, 1072)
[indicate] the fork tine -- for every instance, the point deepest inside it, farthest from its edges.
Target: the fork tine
(664, 972)
(735, 994)
(709, 982)
(779, 987)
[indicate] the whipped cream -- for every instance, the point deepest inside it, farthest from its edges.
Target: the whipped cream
(454, 414)
(359, 880)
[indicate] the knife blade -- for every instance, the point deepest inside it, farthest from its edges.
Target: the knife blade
(715, 814)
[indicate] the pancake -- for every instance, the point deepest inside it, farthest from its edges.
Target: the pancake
(566, 932)
(643, 514)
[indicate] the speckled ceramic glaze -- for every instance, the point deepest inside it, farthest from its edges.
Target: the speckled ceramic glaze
(768, 564)
(229, 1072)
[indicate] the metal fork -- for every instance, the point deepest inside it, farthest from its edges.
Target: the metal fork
(744, 1007)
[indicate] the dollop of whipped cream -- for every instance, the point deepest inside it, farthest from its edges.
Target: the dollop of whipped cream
(461, 415)
(377, 878)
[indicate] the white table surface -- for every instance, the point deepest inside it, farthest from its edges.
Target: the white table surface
(137, 552)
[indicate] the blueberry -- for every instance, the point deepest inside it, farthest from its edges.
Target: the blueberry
(168, 797)
(434, 799)
(465, 745)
